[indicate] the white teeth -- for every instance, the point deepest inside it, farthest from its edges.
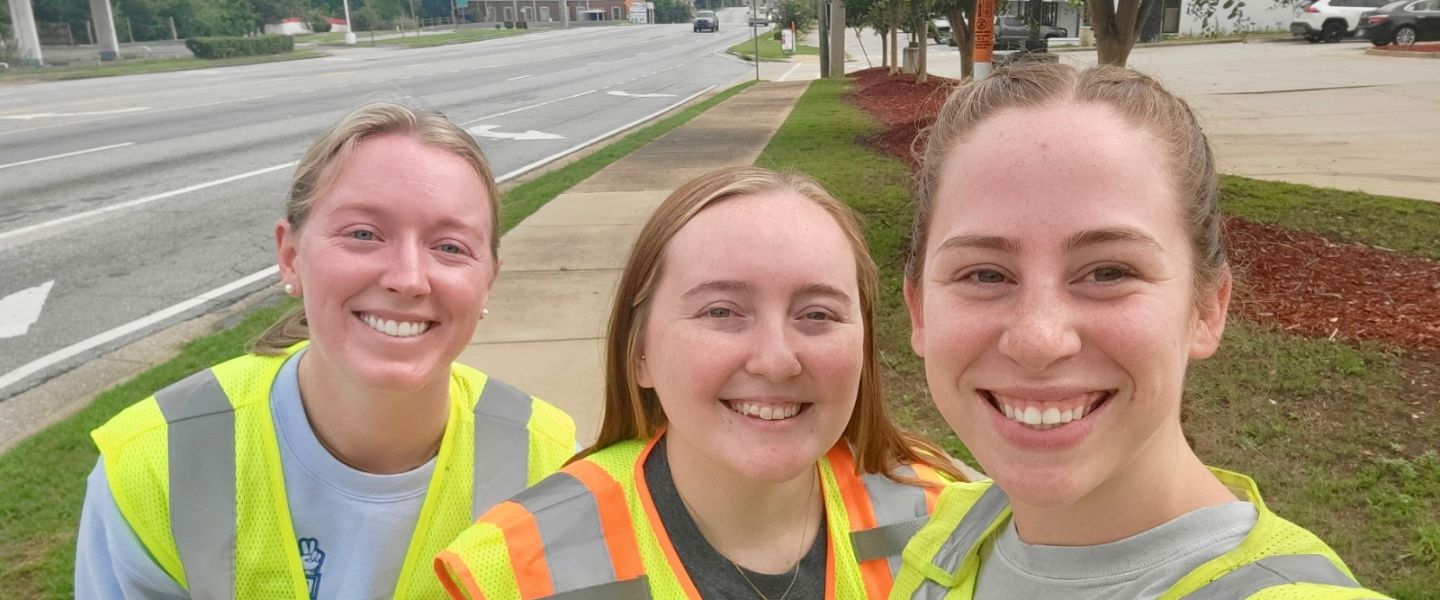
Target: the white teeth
(395, 328)
(767, 413)
(1067, 416)
(1051, 416)
(1032, 416)
(1041, 418)
(1009, 412)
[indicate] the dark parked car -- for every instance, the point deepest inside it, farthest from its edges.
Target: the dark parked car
(706, 20)
(1403, 23)
(1012, 31)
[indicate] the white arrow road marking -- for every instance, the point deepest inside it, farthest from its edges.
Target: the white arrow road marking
(76, 153)
(488, 131)
(20, 310)
(630, 95)
(78, 114)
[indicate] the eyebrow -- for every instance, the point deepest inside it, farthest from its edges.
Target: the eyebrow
(820, 289)
(1078, 240)
(444, 223)
(719, 285)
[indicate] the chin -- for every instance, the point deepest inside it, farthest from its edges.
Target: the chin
(1045, 488)
(775, 466)
(399, 378)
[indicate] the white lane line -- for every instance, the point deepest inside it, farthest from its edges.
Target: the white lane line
(791, 70)
(598, 62)
(72, 350)
(93, 113)
(148, 111)
(139, 201)
(67, 154)
(218, 293)
(523, 108)
(519, 78)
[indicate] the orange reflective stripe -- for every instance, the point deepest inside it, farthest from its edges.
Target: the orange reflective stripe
(657, 526)
(875, 572)
(928, 474)
(451, 569)
(614, 518)
(527, 551)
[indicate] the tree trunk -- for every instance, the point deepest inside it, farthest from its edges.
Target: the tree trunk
(884, 51)
(894, 49)
(963, 37)
(921, 76)
(1117, 28)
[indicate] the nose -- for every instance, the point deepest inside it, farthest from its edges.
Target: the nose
(407, 271)
(773, 356)
(1042, 331)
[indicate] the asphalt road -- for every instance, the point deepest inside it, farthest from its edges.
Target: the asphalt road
(150, 199)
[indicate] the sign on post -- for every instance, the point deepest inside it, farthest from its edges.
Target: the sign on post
(984, 36)
(787, 41)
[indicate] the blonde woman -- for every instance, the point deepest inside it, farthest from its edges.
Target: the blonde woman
(348, 448)
(744, 451)
(1067, 265)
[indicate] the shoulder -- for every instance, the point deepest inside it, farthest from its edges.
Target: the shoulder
(218, 389)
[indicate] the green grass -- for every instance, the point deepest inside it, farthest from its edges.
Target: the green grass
(1395, 223)
(144, 65)
(1324, 427)
(444, 39)
(769, 48)
(44, 476)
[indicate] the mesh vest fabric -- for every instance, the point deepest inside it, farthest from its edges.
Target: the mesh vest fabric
(949, 533)
(505, 555)
(266, 564)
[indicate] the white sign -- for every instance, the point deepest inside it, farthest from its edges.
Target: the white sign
(639, 13)
(787, 41)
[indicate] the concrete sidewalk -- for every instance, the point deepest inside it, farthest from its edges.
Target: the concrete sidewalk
(549, 308)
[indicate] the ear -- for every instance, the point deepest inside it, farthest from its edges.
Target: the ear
(914, 305)
(1211, 309)
(642, 372)
(286, 238)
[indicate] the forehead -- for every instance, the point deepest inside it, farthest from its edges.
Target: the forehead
(400, 176)
(780, 237)
(1054, 169)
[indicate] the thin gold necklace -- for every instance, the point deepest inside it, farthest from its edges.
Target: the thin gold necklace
(795, 572)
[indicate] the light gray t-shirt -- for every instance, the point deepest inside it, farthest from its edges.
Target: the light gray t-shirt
(352, 528)
(1144, 565)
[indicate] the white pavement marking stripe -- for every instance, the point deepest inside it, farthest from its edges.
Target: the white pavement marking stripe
(792, 70)
(148, 111)
(489, 132)
(67, 154)
(95, 113)
(139, 201)
(511, 112)
(75, 349)
(519, 78)
(20, 310)
(624, 94)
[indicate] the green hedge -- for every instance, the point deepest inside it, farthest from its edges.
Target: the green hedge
(231, 47)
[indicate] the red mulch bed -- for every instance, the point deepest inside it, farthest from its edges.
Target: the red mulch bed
(1300, 281)
(1410, 48)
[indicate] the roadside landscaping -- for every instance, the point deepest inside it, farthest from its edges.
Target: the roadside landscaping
(45, 475)
(769, 48)
(143, 65)
(1339, 421)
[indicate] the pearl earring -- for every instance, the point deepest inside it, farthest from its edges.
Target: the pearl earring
(289, 289)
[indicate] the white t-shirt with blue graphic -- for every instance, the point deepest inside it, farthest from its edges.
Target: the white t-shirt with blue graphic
(352, 528)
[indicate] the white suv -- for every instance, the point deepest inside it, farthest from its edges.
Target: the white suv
(1330, 20)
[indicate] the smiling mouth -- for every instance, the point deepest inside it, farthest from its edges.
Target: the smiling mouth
(766, 412)
(1049, 414)
(392, 328)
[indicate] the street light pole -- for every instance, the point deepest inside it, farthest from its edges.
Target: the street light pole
(755, 32)
(349, 26)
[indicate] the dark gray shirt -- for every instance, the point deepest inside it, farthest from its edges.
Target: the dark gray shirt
(715, 577)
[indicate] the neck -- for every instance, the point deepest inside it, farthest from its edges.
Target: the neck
(763, 526)
(1163, 482)
(372, 430)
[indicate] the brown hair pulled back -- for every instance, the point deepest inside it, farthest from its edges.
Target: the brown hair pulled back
(325, 160)
(632, 412)
(1137, 99)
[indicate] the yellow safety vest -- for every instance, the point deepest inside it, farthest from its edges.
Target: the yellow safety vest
(1277, 560)
(592, 531)
(196, 472)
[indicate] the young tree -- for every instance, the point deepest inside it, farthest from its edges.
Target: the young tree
(962, 29)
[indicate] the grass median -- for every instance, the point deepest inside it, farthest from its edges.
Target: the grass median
(769, 48)
(1325, 427)
(44, 476)
(144, 65)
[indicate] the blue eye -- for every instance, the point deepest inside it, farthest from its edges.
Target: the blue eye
(363, 235)
(988, 276)
(718, 312)
(451, 249)
(1109, 274)
(817, 315)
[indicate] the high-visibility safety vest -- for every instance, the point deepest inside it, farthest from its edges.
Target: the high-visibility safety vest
(592, 532)
(1277, 560)
(196, 472)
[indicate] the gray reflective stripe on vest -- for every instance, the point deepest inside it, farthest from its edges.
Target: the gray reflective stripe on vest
(900, 511)
(972, 526)
(502, 445)
(1272, 571)
(201, 436)
(578, 558)
(929, 590)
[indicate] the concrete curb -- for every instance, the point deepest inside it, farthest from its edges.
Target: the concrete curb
(1401, 53)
